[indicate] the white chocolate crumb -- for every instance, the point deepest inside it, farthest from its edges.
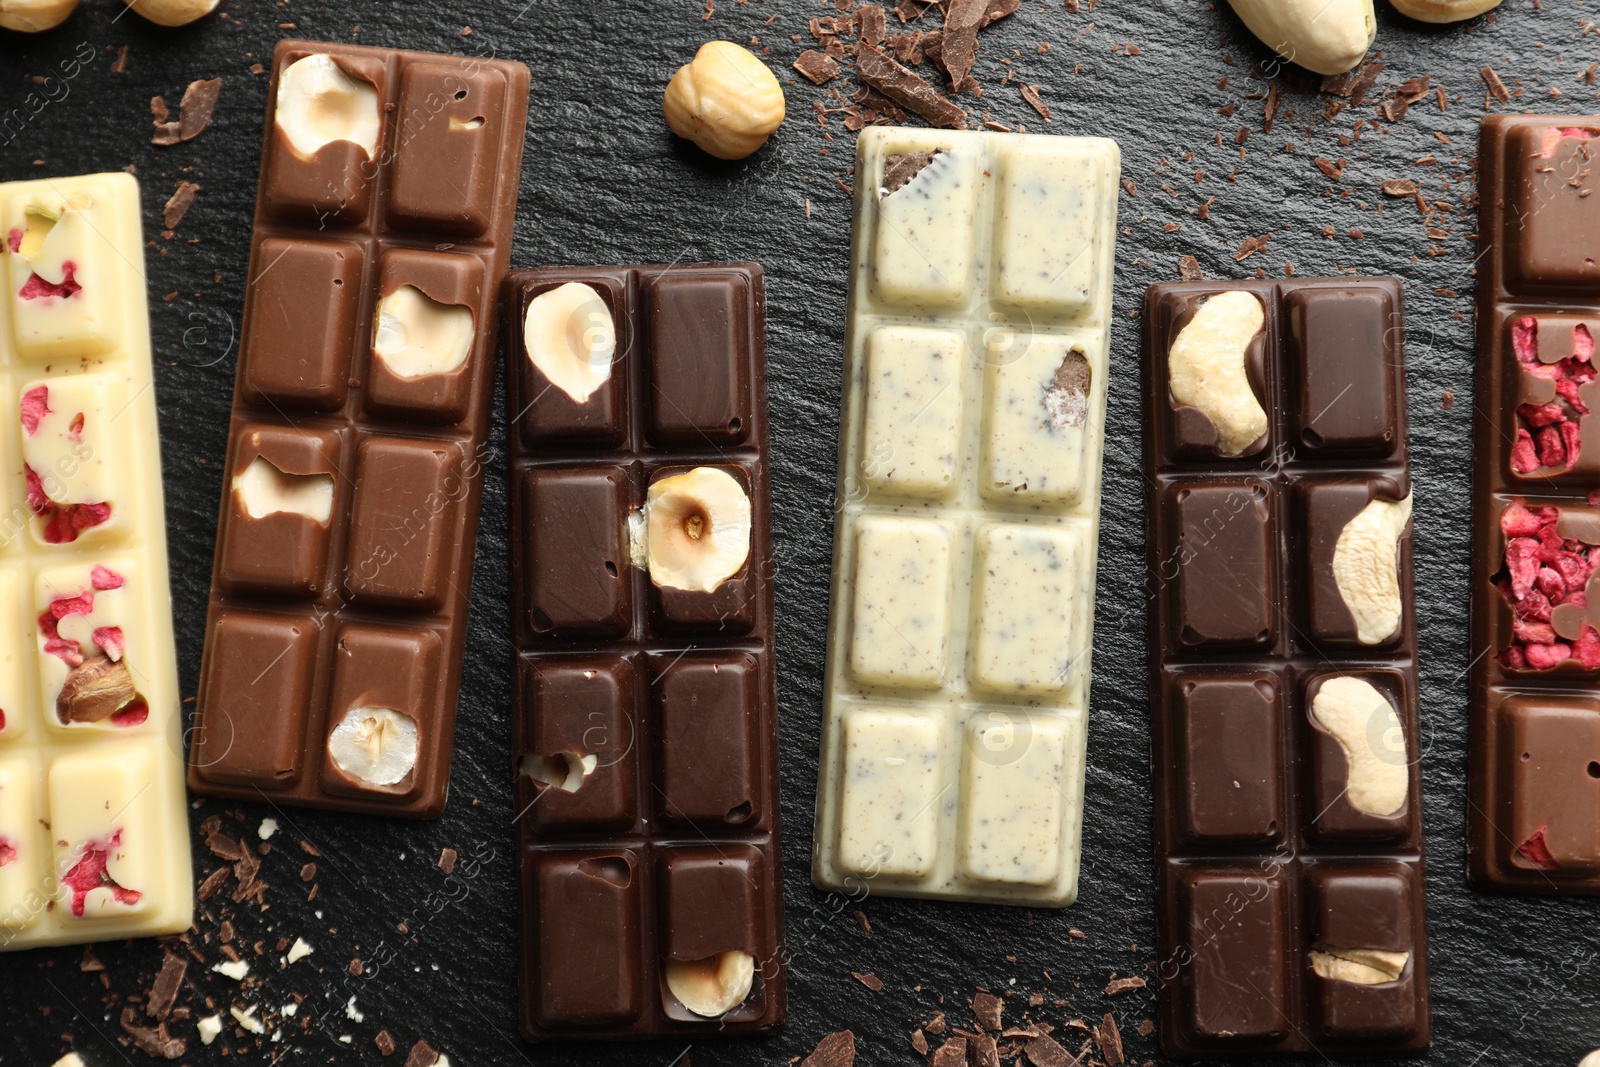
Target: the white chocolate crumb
(209, 1028)
(247, 1020)
(235, 969)
(298, 951)
(352, 1013)
(268, 828)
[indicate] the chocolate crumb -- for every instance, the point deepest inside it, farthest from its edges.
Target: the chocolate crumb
(355, 968)
(90, 964)
(952, 1053)
(870, 980)
(178, 205)
(212, 884)
(1497, 88)
(1399, 187)
(1146, 1028)
(935, 1025)
(816, 67)
(861, 921)
(422, 1055)
(1109, 1040)
(199, 103)
(164, 992)
(1250, 246)
(986, 1007)
(308, 872)
(1046, 1051)
(447, 861)
(224, 847)
(1189, 269)
(384, 1042)
(1447, 401)
(1328, 168)
(919, 1042)
(1122, 985)
(156, 1042)
(309, 849)
(120, 64)
(1030, 95)
(835, 1050)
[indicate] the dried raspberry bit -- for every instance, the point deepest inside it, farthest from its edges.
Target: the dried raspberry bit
(1547, 434)
(135, 714)
(36, 288)
(8, 852)
(63, 523)
(35, 406)
(1554, 134)
(90, 873)
(103, 578)
(109, 640)
(1542, 571)
(1537, 853)
(14, 240)
(50, 626)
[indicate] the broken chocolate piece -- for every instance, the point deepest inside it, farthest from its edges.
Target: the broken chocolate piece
(164, 993)
(1046, 1051)
(817, 67)
(156, 1042)
(952, 1053)
(959, 45)
(986, 1009)
(199, 103)
(422, 1055)
(835, 1050)
(178, 206)
(907, 89)
(1109, 1039)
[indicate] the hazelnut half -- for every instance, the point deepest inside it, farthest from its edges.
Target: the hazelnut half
(569, 336)
(566, 771)
(725, 100)
(318, 104)
(374, 746)
(697, 530)
(711, 987)
(173, 12)
(262, 489)
(416, 336)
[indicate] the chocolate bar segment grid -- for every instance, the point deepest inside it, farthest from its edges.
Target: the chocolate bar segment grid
(1534, 790)
(1264, 856)
(351, 491)
(668, 847)
(965, 548)
(94, 842)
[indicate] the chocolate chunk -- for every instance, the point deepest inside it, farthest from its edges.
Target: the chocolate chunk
(224, 847)
(156, 1042)
(817, 67)
(870, 25)
(953, 1053)
(385, 1043)
(447, 861)
(178, 206)
(1399, 187)
(212, 884)
(199, 103)
(1045, 1051)
(986, 1009)
(871, 981)
(898, 170)
(959, 46)
(907, 89)
(422, 1055)
(919, 1042)
(982, 1051)
(835, 1050)
(164, 993)
(1109, 1040)
(1189, 269)
(1030, 94)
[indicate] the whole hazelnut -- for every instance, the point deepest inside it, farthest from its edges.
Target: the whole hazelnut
(34, 16)
(725, 100)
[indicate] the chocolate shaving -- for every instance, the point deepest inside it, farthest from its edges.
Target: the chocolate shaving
(1047, 1052)
(935, 1025)
(870, 980)
(120, 64)
(1250, 246)
(1399, 187)
(952, 1053)
(212, 884)
(1329, 169)
(1109, 1040)
(447, 861)
(422, 1055)
(816, 67)
(199, 103)
(1270, 109)
(861, 921)
(986, 1007)
(224, 847)
(982, 1052)
(1497, 88)
(1362, 85)
(164, 993)
(835, 1050)
(166, 132)
(909, 90)
(156, 1042)
(1122, 985)
(871, 25)
(1030, 95)
(178, 206)
(958, 46)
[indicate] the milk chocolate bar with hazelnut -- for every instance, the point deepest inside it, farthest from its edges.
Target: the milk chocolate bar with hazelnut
(965, 548)
(645, 733)
(338, 614)
(94, 833)
(1283, 680)
(1534, 821)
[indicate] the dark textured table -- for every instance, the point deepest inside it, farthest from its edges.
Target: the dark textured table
(1516, 980)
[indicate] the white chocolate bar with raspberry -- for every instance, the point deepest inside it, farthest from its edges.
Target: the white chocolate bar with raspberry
(957, 686)
(94, 842)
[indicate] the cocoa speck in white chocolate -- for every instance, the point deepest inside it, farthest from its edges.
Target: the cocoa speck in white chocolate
(974, 411)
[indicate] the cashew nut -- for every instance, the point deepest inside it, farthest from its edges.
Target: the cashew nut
(173, 12)
(35, 16)
(1326, 36)
(1443, 10)
(1207, 368)
(1362, 966)
(1368, 728)
(1366, 567)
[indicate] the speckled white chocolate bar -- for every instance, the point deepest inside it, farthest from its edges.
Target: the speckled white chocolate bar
(969, 487)
(94, 842)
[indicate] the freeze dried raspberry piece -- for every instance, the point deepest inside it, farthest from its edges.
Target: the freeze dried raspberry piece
(35, 406)
(1542, 571)
(90, 873)
(1537, 853)
(1548, 433)
(64, 523)
(8, 852)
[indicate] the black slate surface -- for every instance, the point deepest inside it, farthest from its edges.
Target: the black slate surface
(1516, 980)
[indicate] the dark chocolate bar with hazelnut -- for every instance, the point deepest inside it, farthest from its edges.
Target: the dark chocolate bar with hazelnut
(1283, 681)
(645, 734)
(1534, 819)
(338, 614)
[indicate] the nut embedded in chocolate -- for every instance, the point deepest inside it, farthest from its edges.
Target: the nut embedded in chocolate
(1360, 966)
(711, 987)
(1368, 729)
(566, 771)
(570, 338)
(318, 104)
(1366, 568)
(374, 746)
(1207, 367)
(697, 530)
(415, 336)
(95, 690)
